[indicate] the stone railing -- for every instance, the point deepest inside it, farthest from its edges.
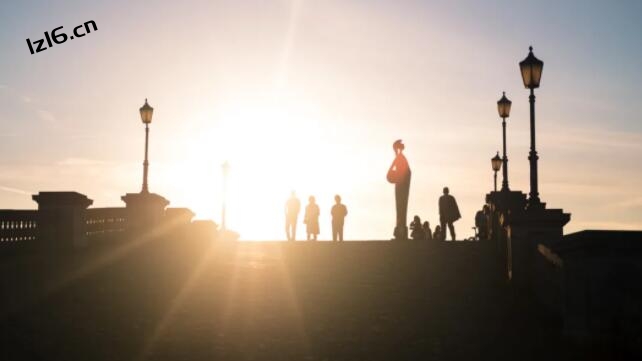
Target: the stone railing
(63, 222)
(104, 223)
(17, 228)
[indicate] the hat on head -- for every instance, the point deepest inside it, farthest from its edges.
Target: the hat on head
(398, 144)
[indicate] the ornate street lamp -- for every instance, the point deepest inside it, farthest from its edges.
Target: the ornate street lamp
(503, 107)
(531, 69)
(226, 171)
(146, 113)
(496, 163)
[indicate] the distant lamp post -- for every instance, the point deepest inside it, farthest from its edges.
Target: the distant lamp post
(496, 163)
(146, 113)
(531, 69)
(503, 107)
(226, 171)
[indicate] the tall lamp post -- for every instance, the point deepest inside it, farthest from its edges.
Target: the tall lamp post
(496, 163)
(503, 107)
(146, 113)
(531, 69)
(226, 171)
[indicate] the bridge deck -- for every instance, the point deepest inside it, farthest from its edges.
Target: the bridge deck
(271, 301)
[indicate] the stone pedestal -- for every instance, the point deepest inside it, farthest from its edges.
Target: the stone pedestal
(61, 219)
(525, 230)
(501, 204)
(144, 212)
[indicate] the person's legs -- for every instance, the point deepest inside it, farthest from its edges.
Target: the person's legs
(287, 229)
(334, 231)
(341, 232)
(442, 236)
(402, 190)
(451, 227)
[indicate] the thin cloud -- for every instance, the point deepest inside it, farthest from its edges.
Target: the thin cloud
(628, 203)
(46, 116)
(79, 162)
(595, 139)
(15, 190)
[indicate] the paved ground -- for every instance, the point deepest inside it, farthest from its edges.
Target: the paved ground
(272, 301)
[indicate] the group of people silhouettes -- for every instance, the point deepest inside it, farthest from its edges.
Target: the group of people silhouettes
(399, 174)
(448, 214)
(311, 218)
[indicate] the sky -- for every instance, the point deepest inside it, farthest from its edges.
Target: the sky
(310, 95)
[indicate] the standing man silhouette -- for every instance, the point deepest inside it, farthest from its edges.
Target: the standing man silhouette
(339, 212)
(448, 213)
(292, 208)
(399, 174)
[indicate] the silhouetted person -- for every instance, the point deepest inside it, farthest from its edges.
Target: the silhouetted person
(427, 231)
(437, 235)
(339, 212)
(448, 213)
(311, 219)
(292, 208)
(399, 174)
(481, 222)
(417, 229)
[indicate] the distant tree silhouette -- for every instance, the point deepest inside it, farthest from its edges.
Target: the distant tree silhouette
(448, 213)
(292, 208)
(311, 219)
(339, 212)
(399, 174)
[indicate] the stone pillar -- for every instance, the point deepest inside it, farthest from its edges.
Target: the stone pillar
(502, 204)
(525, 230)
(144, 212)
(61, 219)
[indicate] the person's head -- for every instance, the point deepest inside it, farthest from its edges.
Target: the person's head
(426, 224)
(398, 146)
(337, 199)
(437, 228)
(417, 219)
(446, 190)
(312, 199)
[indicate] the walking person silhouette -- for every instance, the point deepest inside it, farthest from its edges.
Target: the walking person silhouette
(399, 174)
(339, 212)
(448, 213)
(311, 219)
(292, 208)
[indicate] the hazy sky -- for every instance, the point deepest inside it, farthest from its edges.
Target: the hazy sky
(310, 95)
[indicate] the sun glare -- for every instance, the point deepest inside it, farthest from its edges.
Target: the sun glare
(272, 150)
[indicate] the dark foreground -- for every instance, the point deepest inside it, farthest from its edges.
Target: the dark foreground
(273, 301)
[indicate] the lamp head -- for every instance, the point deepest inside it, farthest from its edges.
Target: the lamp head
(146, 113)
(496, 162)
(531, 69)
(503, 106)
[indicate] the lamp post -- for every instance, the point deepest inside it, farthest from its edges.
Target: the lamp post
(146, 113)
(531, 69)
(496, 163)
(226, 171)
(503, 107)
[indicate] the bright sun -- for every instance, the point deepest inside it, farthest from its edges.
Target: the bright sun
(272, 150)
